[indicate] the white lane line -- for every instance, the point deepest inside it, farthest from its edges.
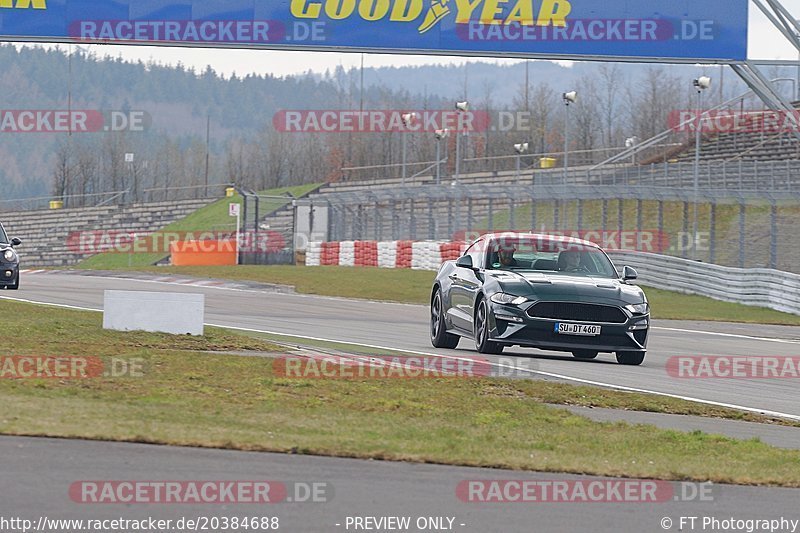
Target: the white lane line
(498, 365)
(734, 335)
(539, 372)
(65, 306)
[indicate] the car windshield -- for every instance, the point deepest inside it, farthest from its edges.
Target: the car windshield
(3, 238)
(560, 257)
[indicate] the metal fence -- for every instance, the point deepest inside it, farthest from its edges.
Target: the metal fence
(268, 222)
(746, 229)
(758, 286)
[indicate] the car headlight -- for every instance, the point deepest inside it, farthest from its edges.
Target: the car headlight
(508, 299)
(10, 255)
(638, 309)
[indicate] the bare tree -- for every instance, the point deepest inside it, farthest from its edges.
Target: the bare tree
(65, 168)
(609, 83)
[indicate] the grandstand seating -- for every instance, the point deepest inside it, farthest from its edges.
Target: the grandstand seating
(44, 233)
(754, 143)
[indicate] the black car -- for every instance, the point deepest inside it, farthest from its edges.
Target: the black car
(540, 291)
(9, 261)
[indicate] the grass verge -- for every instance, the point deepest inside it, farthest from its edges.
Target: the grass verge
(189, 396)
(413, 286)
(550, 392)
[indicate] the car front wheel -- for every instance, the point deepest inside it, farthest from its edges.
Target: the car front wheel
(439, 336)
(482, 342)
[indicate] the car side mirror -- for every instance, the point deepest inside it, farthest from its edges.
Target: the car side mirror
(465, 261)
(15, 242)
(629, 273)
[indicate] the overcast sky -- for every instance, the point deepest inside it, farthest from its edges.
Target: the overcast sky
(765, 43)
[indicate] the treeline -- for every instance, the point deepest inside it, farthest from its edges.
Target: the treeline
(615, 102)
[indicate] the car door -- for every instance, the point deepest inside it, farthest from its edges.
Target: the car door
(465, 284)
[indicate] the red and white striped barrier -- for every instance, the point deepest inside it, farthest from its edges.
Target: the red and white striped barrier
(423, 255)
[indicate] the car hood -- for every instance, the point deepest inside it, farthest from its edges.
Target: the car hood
(557, 287)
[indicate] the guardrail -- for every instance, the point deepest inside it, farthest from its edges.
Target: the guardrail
(762, 287)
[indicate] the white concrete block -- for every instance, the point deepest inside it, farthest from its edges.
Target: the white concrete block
(165, 312)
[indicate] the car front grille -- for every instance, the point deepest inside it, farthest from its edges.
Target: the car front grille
(578, 312)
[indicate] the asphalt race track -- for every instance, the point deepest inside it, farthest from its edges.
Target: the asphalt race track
(359, 488)
(405, 327)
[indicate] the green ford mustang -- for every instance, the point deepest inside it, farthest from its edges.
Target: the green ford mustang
(540, 291)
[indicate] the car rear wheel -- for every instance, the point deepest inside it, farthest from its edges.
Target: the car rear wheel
(630, 358)
(482, 342)
(439, 336)
(584, 354)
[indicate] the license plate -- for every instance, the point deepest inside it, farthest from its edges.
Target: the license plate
(586, 330)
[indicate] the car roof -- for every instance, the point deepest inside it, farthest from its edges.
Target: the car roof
(537, 236)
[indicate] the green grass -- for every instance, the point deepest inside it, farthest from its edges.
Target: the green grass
(189, 395)
(413, 286)
(213, 217)
(549, 392)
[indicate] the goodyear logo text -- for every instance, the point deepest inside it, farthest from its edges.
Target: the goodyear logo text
(500, 12)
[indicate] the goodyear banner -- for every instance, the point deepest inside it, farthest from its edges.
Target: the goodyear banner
(705, 30)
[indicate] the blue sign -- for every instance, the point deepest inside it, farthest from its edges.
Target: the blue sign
(706, 30)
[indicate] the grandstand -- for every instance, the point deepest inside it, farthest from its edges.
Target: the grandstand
(755, 140)
(45, 233)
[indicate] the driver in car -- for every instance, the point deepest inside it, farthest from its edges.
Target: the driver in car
(506, 254)
(572, 262)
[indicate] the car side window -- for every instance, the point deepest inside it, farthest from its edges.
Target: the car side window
(476, 253)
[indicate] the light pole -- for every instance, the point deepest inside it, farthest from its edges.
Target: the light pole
(569, 98)
(700, 84)
(461, 107)
(520, 149)
(631, 142)
(408, 119)
(129, 158)
(440, 135)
